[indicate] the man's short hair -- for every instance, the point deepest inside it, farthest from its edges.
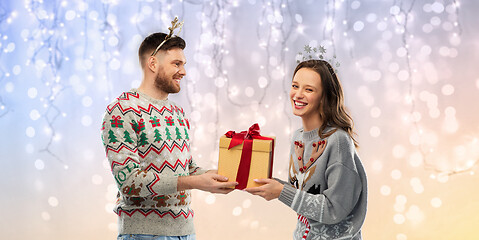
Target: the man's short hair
(151, 42)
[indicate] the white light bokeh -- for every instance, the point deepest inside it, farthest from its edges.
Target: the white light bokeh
(53, 201)
(237, 211)
(385, 190)
(436, 202)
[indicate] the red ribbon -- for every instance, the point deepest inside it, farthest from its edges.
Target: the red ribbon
(246, 137)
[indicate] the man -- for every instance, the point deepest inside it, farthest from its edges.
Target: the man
(146, 138)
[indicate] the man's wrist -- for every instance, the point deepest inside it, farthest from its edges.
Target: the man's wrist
(185, 183)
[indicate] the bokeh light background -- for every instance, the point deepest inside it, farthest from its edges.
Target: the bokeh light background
(409, 74)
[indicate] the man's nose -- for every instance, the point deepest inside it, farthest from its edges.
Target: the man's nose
(182, 71)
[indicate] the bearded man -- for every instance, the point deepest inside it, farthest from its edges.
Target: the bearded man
(146, 138)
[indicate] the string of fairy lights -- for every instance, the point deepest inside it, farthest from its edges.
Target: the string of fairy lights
(5, 16)
(276, 25)
(401, 13)
(111, 42)
(47, 55)
(329, 26)
(282, 24)
(212, 32)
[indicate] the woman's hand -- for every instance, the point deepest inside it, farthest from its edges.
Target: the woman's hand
(270, 190)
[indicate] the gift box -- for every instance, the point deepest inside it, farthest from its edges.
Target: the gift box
(246, 156)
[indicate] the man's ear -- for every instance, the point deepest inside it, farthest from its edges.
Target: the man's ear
(152, 63)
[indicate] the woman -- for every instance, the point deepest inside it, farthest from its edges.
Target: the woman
(327, 182)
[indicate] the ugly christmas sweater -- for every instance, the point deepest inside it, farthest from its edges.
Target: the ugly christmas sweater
(327, 186)
(147, 144)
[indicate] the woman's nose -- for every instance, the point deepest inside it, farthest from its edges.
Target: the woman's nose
(298, 94)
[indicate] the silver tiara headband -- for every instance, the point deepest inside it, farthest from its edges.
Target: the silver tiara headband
(174, 25)
(318, 53)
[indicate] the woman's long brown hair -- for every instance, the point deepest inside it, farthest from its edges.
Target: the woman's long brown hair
(333, 112)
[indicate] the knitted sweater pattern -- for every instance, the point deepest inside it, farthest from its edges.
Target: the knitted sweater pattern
(147, 145)
(329, 193)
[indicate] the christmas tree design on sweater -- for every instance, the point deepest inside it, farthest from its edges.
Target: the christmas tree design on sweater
(147, 145)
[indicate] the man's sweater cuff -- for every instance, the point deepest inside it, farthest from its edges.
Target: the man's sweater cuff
(287, 195)
(199, 171)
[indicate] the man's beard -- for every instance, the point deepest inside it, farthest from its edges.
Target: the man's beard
(166, 85)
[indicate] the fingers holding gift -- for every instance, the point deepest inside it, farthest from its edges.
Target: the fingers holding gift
(223, 184)
(270, 189)
(218, 177)
(263, 181)
(210, 182)
(222, 187)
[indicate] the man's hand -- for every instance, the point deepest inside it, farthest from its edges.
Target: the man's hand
(209, 181)
(269, 191)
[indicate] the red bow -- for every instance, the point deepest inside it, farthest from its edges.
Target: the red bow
(246, 137)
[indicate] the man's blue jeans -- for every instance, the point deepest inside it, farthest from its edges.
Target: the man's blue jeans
(154, 237)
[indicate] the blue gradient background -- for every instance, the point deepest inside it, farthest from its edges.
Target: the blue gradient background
(407, 67)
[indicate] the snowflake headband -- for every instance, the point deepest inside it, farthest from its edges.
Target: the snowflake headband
(312, 53)
(174, 25)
